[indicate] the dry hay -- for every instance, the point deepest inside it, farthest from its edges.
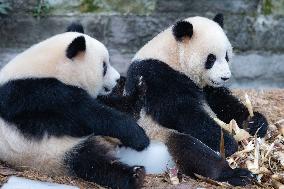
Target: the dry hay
(264, 157)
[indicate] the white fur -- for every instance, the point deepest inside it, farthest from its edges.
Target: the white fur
(48, 59)
(156, 158)
(189, 56)
(44, 155)
(110, 80)
(219, 70)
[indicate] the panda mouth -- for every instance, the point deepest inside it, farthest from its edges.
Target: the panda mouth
(214, 82)
(106, 89)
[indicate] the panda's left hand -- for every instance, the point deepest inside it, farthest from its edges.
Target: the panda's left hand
(258, 121)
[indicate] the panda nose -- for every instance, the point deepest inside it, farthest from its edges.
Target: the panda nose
(225, 78)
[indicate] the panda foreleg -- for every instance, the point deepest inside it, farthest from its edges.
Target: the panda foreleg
(129, 103)
(196, 122)
(121, 126)
(228, 107)
(193, 156)
(93, 161)
(225, 105)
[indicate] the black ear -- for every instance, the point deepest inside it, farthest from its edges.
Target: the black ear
(76, 46)
(182, 29)
(219, 18)
(75, 27)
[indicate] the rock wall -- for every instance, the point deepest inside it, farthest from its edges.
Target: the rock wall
(255, 28)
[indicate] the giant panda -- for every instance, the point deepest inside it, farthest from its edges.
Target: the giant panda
(184, 69)
(51, 119)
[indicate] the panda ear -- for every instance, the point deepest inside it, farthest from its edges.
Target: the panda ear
(76, 46)
(75, 27)
(219, 18)
(182, 29)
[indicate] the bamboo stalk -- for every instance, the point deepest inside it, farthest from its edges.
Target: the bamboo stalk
(248, 105)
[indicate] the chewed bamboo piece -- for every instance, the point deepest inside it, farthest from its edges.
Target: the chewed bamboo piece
(240, 134)
(223, 125)
(173, 174)
(248, 105)
(222, 145)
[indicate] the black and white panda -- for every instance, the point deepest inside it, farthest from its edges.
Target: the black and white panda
(51, 119)
(184, 69)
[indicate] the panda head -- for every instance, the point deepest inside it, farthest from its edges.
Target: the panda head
(196, 46)
(204, 50)
(72, 57)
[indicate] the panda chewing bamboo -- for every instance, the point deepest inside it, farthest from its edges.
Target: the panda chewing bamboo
(184, 69)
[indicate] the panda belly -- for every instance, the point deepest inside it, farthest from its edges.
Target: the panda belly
(156, 158)
(45, 155)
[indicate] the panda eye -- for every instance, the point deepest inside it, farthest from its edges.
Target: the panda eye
(211, 58)
(105, 68)
(227, 58)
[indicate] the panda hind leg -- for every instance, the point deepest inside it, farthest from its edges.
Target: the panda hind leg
(92, 161)
(193, 156)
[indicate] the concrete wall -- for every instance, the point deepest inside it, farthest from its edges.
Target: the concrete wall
(255, 28)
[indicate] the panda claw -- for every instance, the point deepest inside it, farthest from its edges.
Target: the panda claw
(138, 171)
(137, 177)
(140, 81)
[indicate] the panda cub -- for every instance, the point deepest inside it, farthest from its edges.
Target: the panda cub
(184, 69)
(51, 119)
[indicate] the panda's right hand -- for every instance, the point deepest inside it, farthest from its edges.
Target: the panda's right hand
(136, 139)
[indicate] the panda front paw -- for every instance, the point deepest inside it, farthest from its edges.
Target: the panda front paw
(238, 177)
(137, 140)
(257, 123)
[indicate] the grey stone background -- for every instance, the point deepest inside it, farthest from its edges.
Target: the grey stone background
(255, 28)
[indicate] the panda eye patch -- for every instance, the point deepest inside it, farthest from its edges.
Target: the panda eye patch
(227, 58)
(105, 68)
(211, 58)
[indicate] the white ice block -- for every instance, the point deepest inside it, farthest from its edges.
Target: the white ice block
(22, 183)
(156, 158)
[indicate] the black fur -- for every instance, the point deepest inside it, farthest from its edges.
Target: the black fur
(40, 107)
(219, 18)
(228, 107)
(257, 124)
(118, 89)
(226, 57)
(126, 103)
(174, 101)
(76, 46)
(182, 29)
(92, 161)
(75, 27)
(211, 58)
(47, 106)
(192, 156)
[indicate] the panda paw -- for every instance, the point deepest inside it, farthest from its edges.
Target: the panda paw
(137, 177)
(137, 140)
(239, 177)
(257, 123)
